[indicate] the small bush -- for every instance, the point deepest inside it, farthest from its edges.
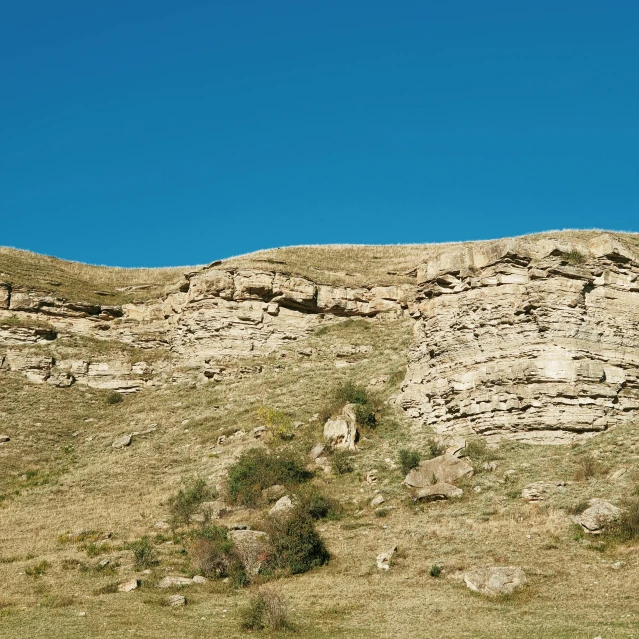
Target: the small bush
(435, 448)
(114, 398)
(317, 506)
(342, 462)
(408, 459)
(38, 569)
(625, 527)
(573, 257)
(588, 467)
(435, 570)
(266, 610)
(351, 393)
(186, 503)
(257, 470)
(296, 545)
(214, 555)
(144, 553)
(277, 421)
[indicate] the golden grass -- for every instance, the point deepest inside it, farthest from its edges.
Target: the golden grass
(59, 474)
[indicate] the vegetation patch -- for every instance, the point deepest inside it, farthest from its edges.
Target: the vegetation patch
(266, 610)
(257, 470)
(188, 500)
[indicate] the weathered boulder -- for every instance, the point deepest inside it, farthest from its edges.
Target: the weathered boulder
(129, 585)
(175, 582)
(597, 516)
(438, 491)
(540, 490)
(317, 451)
(378, 500)
(281, 507)
(495, 580)
(122, 442)
(443, 469)
(176, 600)
(384, 558)
(341, 432)
(252, 546)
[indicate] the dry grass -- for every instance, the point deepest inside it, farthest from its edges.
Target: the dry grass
(59, 474)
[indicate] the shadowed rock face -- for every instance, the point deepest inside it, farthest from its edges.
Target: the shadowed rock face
(527, 338)
(532, 338)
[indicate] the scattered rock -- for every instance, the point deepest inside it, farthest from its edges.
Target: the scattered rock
(443, 469)
(491, 467)
(176, 600)
(104, 563)
(175, 582)
(341, 432)
(455, 445)
(4, 439)
(618, 474)
(317, 451)
(539, 490)
(437, 491)
(162, 525)
(595, 518)
(259, 432)
(378, 500)
(371, 477)
(128, 586)
(496, 580)
(283, 505)
(384, 558)
(122, 442)
(221, 439)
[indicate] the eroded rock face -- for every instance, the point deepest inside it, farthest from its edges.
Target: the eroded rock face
(442, 470)
(341, 432)
(527, 338)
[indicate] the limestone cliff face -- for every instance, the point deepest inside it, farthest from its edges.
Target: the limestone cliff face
(535, 338)
(529, 338)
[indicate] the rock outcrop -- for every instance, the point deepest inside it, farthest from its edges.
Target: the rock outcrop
(534, 338)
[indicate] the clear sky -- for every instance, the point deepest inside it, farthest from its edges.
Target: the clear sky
(163, 133)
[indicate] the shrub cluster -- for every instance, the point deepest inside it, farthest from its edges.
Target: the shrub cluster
(187, 501)
(408, 459)
(114, 398)
(266, 610)
(144, 552)
(365, 409)
(257, 470)
(214, 555)
(342, 462)
(277, 421)
(626, 526)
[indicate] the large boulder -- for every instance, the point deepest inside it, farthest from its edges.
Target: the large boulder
(597, 516)
(341, 431)
(495, 580)
(252, 546)
(445, 469)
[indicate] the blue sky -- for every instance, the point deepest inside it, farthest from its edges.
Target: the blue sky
(164, 133)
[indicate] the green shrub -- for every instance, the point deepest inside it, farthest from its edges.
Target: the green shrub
(435, 570)
(435, 448)
(316, 505)
(114, 398)
(38, 569)
(187, 501)
(265, 610)
(256, 470)
(144, 553)
(296, 545)
(277, 421)
(342, 462)
(214, 555)
(478, 451)
(408, 459)
(351, 393)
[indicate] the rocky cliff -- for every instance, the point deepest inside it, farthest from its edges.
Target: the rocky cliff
(535, 338)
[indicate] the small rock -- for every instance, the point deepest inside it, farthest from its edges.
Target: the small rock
(384, 558)
(317, 451)
(162, 525)
(104, 563)
(199, 579)
(440, 490)
(595, 518)
(617, 565)
(176, 600)
(4, 439)
(378, 500)
(371, 477)
(221, 439)
(170, 582)
(122, 442)
(618, 474)
(477, 489)
(489, 466)
(341, 432)
(82, 614)
(283, 505)
(496, 580)
(128, 586)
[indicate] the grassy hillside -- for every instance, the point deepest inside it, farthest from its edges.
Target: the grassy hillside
(59, 474)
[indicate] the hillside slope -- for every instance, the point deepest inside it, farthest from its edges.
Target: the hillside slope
(506, 342)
